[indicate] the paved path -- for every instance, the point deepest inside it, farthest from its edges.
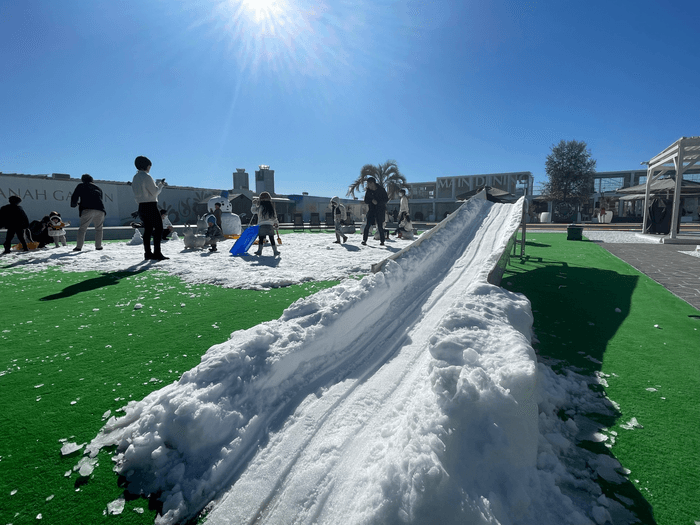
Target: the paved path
(677, 272)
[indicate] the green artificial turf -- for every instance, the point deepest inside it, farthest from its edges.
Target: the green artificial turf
(73, 347)
(652, 342)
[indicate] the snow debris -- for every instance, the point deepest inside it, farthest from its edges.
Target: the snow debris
(618, 310)
(69, 448)
(117, 506)
(631, 424)
(85, 466)
(138, 306)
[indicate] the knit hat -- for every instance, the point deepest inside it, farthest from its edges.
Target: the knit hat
(54, 214)
(211, 218)
(14, 199)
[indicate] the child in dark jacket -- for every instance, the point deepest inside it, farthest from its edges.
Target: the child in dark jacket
(13, 218)
(214, 233)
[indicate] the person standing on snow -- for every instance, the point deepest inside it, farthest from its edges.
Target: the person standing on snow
(91, 209)
(55, 228)
(339, 218)
(376, 198)
(146, 192)
(217, 213)
(267, 219)
(403, 209)
(13, 218)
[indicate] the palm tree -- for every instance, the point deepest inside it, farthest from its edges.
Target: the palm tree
(386, 175)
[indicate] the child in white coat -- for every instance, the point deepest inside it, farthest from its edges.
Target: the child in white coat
(55, 228)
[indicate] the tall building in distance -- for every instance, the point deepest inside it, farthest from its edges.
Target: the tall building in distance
(265, 180)
(240, 181)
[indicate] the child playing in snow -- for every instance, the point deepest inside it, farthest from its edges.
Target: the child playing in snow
(406, 228)
(55, 228)
(267, 219)
(254, 209)
(167, 225)
(339, 218)
(214, 233)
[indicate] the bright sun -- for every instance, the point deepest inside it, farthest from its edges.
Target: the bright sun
(264, 9)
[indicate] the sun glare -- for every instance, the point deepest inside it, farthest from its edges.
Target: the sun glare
(263, 10)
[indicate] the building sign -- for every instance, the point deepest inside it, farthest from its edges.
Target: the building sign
(451, 187)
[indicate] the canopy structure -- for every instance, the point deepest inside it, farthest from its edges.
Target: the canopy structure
(678, 157)
(659, 188)
(492, 194)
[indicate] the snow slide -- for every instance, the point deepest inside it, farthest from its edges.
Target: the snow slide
(407, 396)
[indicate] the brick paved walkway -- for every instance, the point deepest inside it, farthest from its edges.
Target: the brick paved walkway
(677, 272)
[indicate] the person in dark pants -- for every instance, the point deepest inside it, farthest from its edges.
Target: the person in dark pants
(13, 218)
(376, 198)
(146, 192)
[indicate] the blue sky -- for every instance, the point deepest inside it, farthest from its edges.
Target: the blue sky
(318, 89)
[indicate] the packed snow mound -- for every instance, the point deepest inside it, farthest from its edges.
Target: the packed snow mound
(408, 396)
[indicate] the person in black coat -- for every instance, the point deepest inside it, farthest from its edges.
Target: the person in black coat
(40, 231)
(13, 218)
(91, 209)
(376, 198)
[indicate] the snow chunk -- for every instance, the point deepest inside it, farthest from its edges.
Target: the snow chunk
(69, 448)
(117, 506)
(631, 424)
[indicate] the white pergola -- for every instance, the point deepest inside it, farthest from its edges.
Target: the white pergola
(678, 157)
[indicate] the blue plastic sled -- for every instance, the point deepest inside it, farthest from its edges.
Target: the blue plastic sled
(245, 241)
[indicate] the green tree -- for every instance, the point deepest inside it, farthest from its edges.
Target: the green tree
(570, 169)
(386, 175)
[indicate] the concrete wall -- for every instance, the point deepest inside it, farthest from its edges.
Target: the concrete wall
(42, 194)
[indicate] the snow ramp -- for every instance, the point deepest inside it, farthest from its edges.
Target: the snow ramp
(406, 396)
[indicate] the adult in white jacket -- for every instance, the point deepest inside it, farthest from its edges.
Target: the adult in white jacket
(146, 193)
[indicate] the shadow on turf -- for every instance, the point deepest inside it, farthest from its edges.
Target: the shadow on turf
(574, 318)
(104, 279)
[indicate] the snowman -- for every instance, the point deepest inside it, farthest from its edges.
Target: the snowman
(230, 222)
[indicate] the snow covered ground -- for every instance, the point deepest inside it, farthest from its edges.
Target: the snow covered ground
(408, 396)
(619, 237)
(632, 237)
